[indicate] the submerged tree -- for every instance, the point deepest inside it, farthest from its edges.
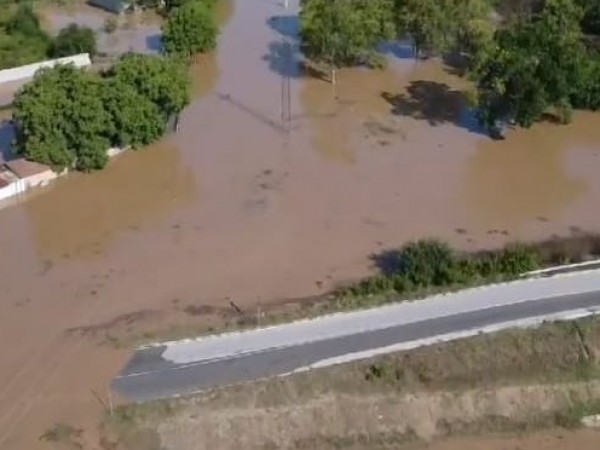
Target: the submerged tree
(344, 32)
(69, 118)
(164, 81)
(135, 121)
(73, 40)
(438, 26)
(62, 119)
(534, 66)
(190, 29)
(431, 24)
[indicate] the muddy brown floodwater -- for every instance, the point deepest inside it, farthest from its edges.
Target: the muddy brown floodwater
(234, 207)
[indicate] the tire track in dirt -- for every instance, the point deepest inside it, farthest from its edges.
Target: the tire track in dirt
(35, 378)
(38, 385)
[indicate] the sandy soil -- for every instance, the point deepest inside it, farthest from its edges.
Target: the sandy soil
(235, 207)
(358, 421)
(551, 440)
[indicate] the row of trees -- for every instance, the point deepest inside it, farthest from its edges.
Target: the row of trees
(68, 118)
(348, 32)
(23, 41)
(526, 57)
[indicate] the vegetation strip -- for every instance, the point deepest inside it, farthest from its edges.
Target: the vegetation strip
(417, 270)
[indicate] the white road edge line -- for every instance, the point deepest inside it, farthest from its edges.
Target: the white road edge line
(529, 322)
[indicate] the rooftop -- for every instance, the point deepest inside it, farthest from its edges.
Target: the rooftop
(23, 168)
(114, 6)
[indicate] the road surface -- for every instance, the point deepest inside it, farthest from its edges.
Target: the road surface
(184, 367)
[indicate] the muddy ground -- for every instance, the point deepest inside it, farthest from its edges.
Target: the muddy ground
(235, 207)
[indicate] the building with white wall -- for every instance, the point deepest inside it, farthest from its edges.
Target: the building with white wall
(25, 72)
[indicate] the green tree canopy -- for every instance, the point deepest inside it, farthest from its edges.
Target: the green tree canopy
(438, 26)
(73, 40)
(172, 4)
(537, 65)
(344, 32)
(190, 29)
(591, 16)
(26, 23)
(69, 118)
(164, 81)
(22, 41)
(135, 120)
(431, 24)
(62, 119)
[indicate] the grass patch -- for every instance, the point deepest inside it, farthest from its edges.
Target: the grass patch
(125, 416)
(62, 433)
(572, 416)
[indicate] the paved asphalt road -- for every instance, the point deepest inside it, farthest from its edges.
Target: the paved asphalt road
(153, 374)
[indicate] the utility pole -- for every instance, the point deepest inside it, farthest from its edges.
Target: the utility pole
(286, 52)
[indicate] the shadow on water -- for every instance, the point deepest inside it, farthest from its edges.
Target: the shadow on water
(284, 56)
(400, 50)
(288, 26)
(456, 64)
(262, 118)
(387, 262)
(154, 43)
(285, 59)
(435, 103)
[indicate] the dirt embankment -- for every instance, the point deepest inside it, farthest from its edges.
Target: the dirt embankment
(518, 381)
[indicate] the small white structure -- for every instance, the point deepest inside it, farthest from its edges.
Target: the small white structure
(31, 173)
(116, 151)
(10, 187)
(28, 71)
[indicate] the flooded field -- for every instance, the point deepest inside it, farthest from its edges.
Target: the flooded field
(139, 32)
(233, 206)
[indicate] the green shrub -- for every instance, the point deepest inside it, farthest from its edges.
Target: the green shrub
(74, 40)
(517, 259)
(190, 29)
(22, 40)
(427, 263)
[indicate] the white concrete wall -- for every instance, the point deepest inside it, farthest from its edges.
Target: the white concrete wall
(24, 72)
(116, 151)
(40, 179)
(13, 189)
